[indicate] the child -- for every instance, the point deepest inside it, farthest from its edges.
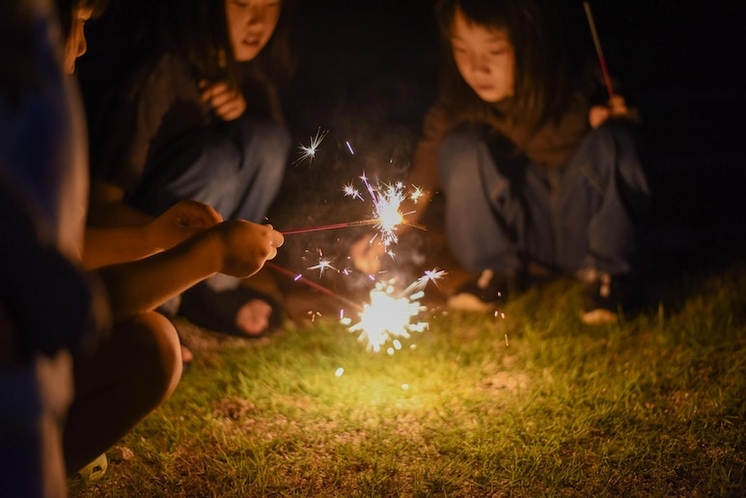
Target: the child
(134, 369)
(200, 119)
(532, 173)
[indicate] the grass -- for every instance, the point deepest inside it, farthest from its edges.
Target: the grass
(532, 404)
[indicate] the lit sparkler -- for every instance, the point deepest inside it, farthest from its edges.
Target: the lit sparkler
(309, 151)
(387, 215)
(389, 316)
(387, 200)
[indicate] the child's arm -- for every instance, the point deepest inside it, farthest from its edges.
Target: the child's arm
(237, 247)
(113, 245)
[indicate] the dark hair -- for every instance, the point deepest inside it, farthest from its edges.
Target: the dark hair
(18, 45)
(198, 31)
(542, 63)
(66, 9)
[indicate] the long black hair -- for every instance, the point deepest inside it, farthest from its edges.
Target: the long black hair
(543, 65)
(198, 31)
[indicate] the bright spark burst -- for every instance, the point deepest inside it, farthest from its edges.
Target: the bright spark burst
(391, 316)
(309, 151)
(387, 317)
(386, 202)
(429, 276)
(350, 191)
(323, 264)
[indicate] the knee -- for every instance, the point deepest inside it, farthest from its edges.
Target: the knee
(154, 348)
(458, 153)
(270, 140)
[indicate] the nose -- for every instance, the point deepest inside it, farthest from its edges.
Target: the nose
(478, 64)
(256, 15)
(82, 44)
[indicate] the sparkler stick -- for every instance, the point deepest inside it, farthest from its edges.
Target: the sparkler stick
(298, 277)
(599, 51)
(333, 226)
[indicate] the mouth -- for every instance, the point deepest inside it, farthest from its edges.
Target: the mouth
(252, 41)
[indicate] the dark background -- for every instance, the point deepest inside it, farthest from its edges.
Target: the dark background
(367, 73)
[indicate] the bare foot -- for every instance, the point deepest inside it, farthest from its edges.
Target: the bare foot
(186, 355)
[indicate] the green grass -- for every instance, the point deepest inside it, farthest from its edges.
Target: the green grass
(532, 404)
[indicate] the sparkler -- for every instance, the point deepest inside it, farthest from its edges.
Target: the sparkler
(599, 51)
(332, 226)
(386, 200)
(298, 277)
(388, 316)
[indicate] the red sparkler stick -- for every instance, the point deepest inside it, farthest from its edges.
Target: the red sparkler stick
(599, 51)
(333, 226)
(298, 277)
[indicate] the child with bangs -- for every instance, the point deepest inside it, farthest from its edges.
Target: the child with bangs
(540, 175)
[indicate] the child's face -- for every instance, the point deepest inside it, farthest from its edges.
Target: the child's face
(76, 45)
(250, 25)
(484, 57)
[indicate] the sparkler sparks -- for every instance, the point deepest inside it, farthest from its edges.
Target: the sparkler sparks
(387, 200)
(309, 151)
(323, 264)
(389, 316)
(350, 191)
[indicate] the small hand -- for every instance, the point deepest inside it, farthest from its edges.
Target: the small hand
(246, 246)
(181, 221)
(366, 255)
(616, 107)
(227, 102)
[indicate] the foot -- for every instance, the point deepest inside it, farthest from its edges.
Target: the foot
(242, 311)
(253, 317)
(186, 355)
(484, 293)
(605, 297)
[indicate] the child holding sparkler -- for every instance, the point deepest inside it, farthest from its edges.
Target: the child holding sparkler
(533, 173)
(132, 370)
(200, 118)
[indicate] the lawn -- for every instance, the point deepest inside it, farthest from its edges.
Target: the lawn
(528, 403)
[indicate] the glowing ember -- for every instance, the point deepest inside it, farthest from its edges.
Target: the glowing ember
(309, 151)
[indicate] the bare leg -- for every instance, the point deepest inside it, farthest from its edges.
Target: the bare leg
(128, 376)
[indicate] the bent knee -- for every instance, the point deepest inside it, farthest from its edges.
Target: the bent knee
(154, 347)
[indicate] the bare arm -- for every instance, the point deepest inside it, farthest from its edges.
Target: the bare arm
(238, 248)
(120, 244)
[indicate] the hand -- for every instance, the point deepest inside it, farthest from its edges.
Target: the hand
(246, 246)
(366, 255)
(616, 107)
(227, 102)
(181, 221)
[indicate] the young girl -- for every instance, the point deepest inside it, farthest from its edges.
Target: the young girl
(200, 119)
(129, 370)
(533, 174)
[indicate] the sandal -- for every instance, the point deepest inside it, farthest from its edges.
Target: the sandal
(218, 310)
